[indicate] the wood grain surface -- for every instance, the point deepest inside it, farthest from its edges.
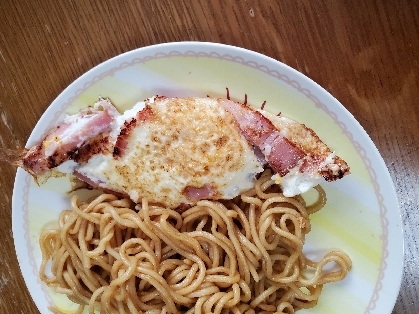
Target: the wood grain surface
(365, 53)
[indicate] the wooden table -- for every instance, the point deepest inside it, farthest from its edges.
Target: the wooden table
(365, 53)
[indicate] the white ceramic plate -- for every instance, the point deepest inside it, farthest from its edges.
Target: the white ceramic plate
(361, 217)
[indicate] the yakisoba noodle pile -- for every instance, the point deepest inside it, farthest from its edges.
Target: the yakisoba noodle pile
(238, 256)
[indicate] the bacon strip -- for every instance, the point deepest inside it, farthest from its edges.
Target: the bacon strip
(199, 193)
(62, 143)
(97, 184)
(279, 152)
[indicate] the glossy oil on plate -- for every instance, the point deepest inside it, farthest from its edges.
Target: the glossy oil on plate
(361, 216)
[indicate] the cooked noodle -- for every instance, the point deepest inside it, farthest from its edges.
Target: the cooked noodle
(238, 256)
